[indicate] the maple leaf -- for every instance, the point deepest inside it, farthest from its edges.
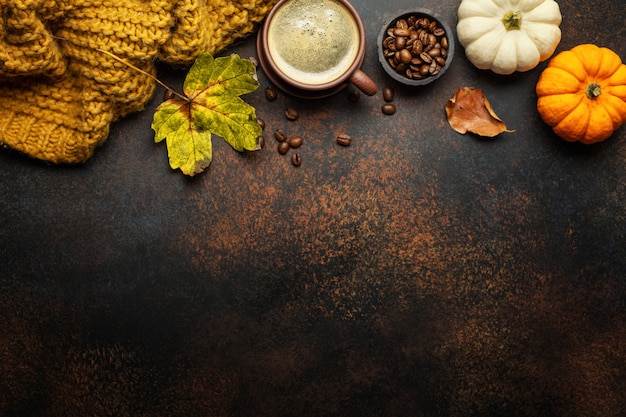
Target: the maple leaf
(470, 111)
(210, 105)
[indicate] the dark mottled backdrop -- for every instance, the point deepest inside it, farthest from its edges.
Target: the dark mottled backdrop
(417, 272)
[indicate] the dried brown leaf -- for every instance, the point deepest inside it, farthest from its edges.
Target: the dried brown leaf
(470, 111)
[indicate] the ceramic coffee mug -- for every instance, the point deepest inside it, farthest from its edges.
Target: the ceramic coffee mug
(313, 48)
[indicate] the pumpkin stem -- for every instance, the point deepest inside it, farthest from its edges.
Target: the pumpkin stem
(512, 20)
(593, 90)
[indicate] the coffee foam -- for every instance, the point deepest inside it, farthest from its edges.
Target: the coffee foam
(313, 41)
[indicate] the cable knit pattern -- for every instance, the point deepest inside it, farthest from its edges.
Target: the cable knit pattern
(59, 92)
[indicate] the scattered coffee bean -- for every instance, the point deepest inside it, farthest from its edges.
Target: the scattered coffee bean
(261, 142)
(388, 94)
(270, 94)
(416, 47)
(388, 109)
(296, 159)
(280, 135)
(291, 114)
(283, 148)
(343, 139)
(261, 123)
(168, 95)
(295, 141)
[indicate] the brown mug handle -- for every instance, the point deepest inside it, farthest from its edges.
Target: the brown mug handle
(363, 82)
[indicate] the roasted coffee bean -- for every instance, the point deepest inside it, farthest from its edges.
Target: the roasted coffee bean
(291, 114)
(280, 135)
(343, 139)
(400, 43)
(416, 61)
(426, 58)
(389, 109)
(433, 69)
(261, 123)
(283, 148)
(388, 94)
(413, 45)
(295, 141)
(444, 42)
(417, 48)
(405, 56)
(296, 160)
(261, 142)
(401, 32)
(435, 52)
(439, 32)
(270, 94)
(432, 41)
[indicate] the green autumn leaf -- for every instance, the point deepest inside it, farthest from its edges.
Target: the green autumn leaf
(211, 106)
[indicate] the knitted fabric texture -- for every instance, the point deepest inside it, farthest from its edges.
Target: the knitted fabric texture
(59, 92)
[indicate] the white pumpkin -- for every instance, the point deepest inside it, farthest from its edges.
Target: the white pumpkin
(508, 35)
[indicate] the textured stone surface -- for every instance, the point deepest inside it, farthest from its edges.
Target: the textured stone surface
(416, 272)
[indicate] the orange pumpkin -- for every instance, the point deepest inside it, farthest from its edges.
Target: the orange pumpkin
(582, 94)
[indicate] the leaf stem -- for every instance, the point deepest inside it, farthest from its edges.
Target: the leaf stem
(512, 20)
(147, 74)
(593, 91)
(129, 65)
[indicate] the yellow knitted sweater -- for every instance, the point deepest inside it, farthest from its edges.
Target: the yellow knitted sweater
(59, 93)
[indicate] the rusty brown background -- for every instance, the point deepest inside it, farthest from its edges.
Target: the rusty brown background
(417, 272)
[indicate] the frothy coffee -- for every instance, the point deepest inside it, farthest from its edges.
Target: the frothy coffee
(313, 42)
